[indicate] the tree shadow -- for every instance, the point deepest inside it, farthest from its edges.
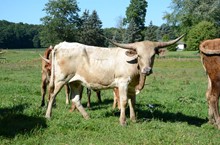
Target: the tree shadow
(13, 121)
(152, 111)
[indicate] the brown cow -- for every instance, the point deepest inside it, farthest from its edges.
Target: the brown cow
(210, 56)
(45, 78)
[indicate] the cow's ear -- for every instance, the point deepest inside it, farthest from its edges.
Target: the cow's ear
(160, 51)
(48, 66)
(131, 53)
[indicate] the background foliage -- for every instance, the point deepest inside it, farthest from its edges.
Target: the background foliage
(202, 31)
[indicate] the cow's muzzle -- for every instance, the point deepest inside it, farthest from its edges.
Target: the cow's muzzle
(147, 70)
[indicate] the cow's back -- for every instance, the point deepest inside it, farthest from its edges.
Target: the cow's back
(211, 62)
(213, 44)
(96, 67)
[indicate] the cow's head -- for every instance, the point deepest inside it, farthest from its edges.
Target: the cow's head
(145, 51)
(46, 62)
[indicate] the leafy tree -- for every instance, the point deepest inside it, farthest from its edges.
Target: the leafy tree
(61, 21)
(135, 18)
(119, 33)
(166, 31)
(18, 35)
(170, 48)
(188, 13)
(116, 34)
(203, 30)
(132, 33)
(151, 32)
(91, 29)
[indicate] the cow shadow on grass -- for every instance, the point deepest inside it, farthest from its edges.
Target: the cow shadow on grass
(102, 105)
(13, 121)
(151, 111)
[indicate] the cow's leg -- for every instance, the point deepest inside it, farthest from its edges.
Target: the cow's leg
(76, 99)
(73, 106)
(89, 92)
(116, 99)
(123, 103)
(213, 98)
(67, 92)
(213, 109)
(98, 94)
(131, 103)
(208, 97)
(43, 89)
(56, 90)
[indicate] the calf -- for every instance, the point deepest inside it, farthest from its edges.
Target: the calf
(45, 78)
(210, 57)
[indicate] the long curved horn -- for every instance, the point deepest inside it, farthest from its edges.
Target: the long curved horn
(47, 60)
(125, 46)
(165, 44)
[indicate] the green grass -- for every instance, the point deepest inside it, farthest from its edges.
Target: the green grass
(171, 109)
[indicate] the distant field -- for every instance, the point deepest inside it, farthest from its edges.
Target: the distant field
(171, 109)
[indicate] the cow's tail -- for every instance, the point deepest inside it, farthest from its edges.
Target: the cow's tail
(52, 77)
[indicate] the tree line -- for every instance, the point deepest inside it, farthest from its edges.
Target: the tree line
(198, 19)
(19, 35)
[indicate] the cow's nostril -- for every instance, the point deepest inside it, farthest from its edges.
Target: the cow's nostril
(147, 70)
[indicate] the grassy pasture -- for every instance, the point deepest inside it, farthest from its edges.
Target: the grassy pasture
(171, 109)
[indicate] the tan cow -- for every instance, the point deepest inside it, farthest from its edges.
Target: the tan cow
(45, 79)
(103, 68)
(210, 56)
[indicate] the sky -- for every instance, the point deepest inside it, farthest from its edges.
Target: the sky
(109, 11)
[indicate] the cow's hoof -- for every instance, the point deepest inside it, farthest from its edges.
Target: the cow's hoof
(218, 124)
(42, 104)
(72, 109)
(86, 117)
(123, 124)
(133, 120)
(211, 121)
(137, 92)
(47, 117)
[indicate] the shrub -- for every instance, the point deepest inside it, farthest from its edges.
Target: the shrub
(202, 31)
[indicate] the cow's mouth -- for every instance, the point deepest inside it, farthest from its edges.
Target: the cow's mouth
(147, 71)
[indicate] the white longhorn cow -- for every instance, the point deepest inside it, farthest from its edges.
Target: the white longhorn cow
(124, 67)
